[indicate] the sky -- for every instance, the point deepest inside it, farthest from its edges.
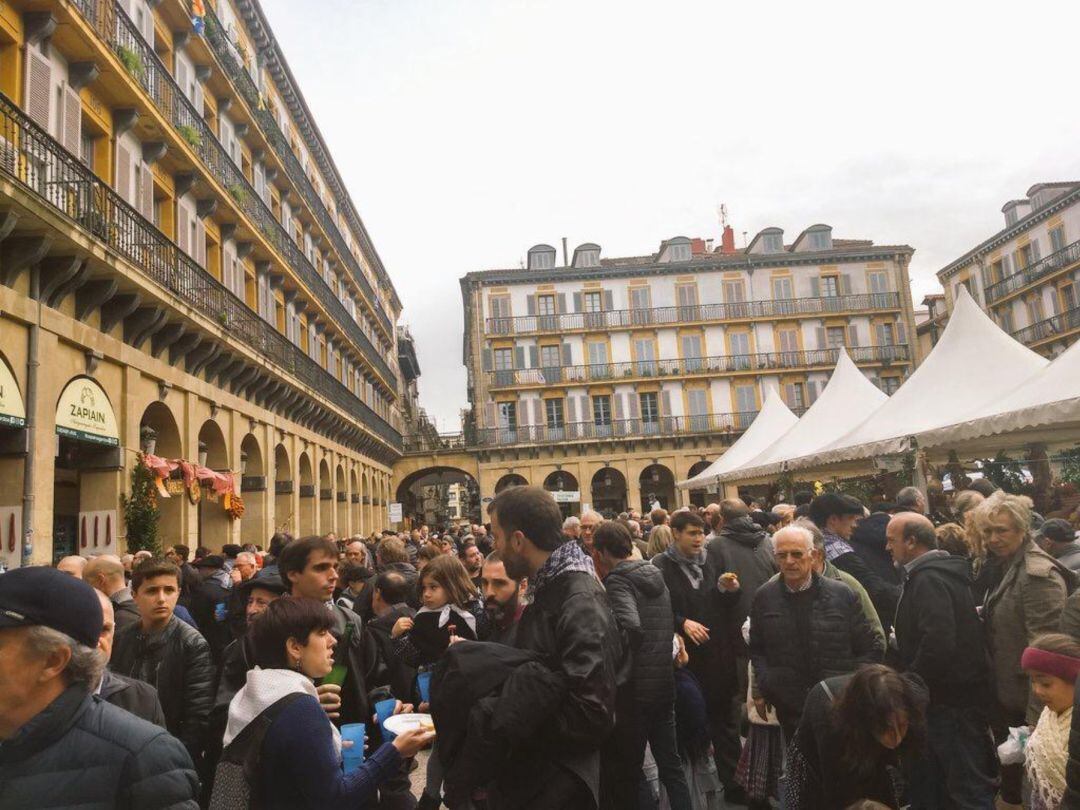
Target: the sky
(468, 130)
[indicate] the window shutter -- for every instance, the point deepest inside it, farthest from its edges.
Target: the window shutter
(577, 302)
(815, 287)
(1006, 265)
(821, 343)
(72, 120)
(567, 357)
(901, 333)
(584, 407)
(38, 84)
(147, 192)
(789, 394)
(845, 284)
(665, 403)
(181, 74)
(123, 172)
(519, 357)
(609, 300)
(1035, 254)
(571, 409)
(617, 400)
(489, 414)
(534, 357)
(561, 303)
(181, 226)
(530, 301)
(880, 335)
(987, 279)
(853, 335)
(200, 243)
(811, 392)
(148, 26)
(486, 360)
(1017, 265)
(198, 100)
(633, 402)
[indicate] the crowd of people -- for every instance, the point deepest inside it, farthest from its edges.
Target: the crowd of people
(822, 653)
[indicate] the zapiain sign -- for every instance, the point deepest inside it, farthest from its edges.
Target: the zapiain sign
(85, 413)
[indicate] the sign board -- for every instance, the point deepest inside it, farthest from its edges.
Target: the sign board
(573, 496)
(12, 411)
(85, 413)
(395, 513)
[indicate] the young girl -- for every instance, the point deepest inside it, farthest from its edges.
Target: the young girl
(1053, 663)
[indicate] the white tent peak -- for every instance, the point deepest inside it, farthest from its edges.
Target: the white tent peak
(773, 420)
(973, 363)
(848, 397)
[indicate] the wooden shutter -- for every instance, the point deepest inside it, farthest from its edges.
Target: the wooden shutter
(633, 402)
(845, 284)
(38, 86)
(519, 357)
(538, 411)
(200, 243)
(1035, 253)
(72, 120)
(561, 303)
(577, 302)
(617, 403)
(571, 409)
(486, 362)
(181, 75)
(853, 335)
(530, 304)
(609, 300)
(148, 26)
(567, 356)
(665, 403)
(123, 172)
(182, 226)
(901, 333)
(586, 408)
(815, 287)
(821, 341)
(880, 335)
(147, 192)
(811, 392)
(489, 414)
(534, 357)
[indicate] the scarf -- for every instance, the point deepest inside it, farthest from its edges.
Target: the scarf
(690, 566)
(567, 557)
(264, 688)
(1046, 753)
(444, 615)
(835, 545)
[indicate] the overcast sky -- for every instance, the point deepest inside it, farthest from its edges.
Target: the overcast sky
(469, 130)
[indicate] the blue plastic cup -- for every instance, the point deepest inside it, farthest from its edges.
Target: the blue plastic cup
(352, 745)
(385, 709)
(423, 684)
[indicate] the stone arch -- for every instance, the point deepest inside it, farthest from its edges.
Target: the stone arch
(167, 443)
(422, 495)
(253, 489)
(215, 526)
(326, 498)
(354, 503)
(510, 480)
(283, 491)
(341, 499)
(698, 497)
(308, 495)
(608, 491)
(560, 482)
(657, 486)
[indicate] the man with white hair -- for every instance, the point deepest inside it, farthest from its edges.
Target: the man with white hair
(804, 628)
(571, 527)
(55, 736)
(72, 566)
(911, 499)
(106, 574)
(589, 521)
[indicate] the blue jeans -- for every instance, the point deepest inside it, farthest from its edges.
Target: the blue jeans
(958, 767)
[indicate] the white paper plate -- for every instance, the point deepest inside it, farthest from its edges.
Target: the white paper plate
(400, 723)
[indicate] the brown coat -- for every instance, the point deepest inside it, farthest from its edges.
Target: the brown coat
(1025, 604)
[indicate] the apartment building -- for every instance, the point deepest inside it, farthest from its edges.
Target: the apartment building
(183, 272)
(1027, 275)
(608, 379)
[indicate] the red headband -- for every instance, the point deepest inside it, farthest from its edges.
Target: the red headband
(1060, 666)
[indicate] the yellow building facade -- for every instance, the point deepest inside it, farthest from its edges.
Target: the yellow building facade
(181, 273)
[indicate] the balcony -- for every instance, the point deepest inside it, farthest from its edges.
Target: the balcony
(693, 366)
(1054, 327)
(117, 30)
(35, 161)
(226, 54)
(1048, 265)
(679, 315)
(427, 443)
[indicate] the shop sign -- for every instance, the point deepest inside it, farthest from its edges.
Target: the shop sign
(85, 413)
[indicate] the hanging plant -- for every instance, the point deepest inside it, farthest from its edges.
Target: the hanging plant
(238, 193)
(141, 512)
(133, 62)
(191, 135)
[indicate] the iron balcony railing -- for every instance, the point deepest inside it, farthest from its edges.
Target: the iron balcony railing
(237, 72)
(424, 443)
(658, 316)
(114, 26)
(1051, 327)
(1070, 254)
(661, 426)
(32, 158)
(722, 364)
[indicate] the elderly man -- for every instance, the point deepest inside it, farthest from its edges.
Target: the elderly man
(106, 573)
(589, 521)
(356, 553)
(911, 499)
(940, 637)
(804, 628)
(129, 694)
(571, 527)
(60, 746)
(72, 566)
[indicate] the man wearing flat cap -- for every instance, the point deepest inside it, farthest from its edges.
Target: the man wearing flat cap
(60, 744)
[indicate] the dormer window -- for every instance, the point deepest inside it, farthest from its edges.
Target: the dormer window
(675, 250)
(820, 240)
(587, 255)
(772, 242)
(679, 253)
(541, 257)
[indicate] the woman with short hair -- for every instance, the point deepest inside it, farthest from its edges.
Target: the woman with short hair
(300, 762)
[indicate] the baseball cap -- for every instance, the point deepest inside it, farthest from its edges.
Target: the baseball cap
(1058, 530)
(38, 596)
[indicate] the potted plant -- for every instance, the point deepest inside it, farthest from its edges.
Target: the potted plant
(148, 440)
(132, 61)
(238, 193)
(190, 134)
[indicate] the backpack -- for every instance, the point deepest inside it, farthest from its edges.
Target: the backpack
(236, 779)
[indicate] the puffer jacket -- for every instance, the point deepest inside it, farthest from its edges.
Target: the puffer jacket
(81, 751)
(745, 549)
(177, 663)
(1026, 603)
(642, 608)
(798, 639)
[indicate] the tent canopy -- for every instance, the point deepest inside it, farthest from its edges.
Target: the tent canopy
(772, 421)
(849, 397)
(974, 362)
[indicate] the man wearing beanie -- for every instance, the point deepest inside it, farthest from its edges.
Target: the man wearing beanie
(60, 744)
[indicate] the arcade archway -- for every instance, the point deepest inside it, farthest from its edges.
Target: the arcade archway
(657, 487)
(253, 491)
(283, 491)
(564, 488)
(510, 480)
(608, 492)
(161, 437)
(306, 524)
(326, 499)
(215, 527)
(425, 497)
(698, 497)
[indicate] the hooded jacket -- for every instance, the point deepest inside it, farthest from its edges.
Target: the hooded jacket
(642, 608)
(939, 634)
(745, 549)
(868, 541)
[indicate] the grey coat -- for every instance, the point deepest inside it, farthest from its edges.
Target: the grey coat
(1026, 603)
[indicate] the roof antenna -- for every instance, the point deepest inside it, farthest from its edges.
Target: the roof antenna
(721, 212)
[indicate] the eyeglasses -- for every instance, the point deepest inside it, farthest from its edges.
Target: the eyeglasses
(795, 555)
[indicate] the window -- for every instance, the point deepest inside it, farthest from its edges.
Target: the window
(687, 299)
(745, 404)
(601, 408)
(550, 359)
(1057, 238)
(782, 287)
(650, 407)
(507, 412)
(553, 413)
(772, 243)
(1027, 256)
(593, 301)
(887, 334)
(787, 341)
(545, 305)
(830, 286)
(733, 291)
(1005, 318)
(691, 352)
(596, 353)
(794, 396)
(1035, 309)
(504, 366)
(697, 404)
(834, 337)
(998, 271)
(86, 150)
(878, 281)
(640, 312)
(740, 350)
(820, 240)
(1068, 298)
(679, 252)
(890, 384)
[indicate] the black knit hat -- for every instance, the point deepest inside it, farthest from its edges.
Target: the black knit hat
(38, 596)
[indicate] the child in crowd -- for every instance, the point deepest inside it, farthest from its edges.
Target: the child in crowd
(1053, 664)
(692, 733)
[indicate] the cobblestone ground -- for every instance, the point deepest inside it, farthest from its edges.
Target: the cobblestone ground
(419, 776)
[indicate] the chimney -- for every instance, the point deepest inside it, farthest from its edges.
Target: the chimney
(727, 244)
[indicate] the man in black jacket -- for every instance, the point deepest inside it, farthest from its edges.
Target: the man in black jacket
(129, 694)
(389, 591)
(804, 628)
(504, 599)
(569, 624)
(60, 746)
(645, 701)
(168, 654)
(210, 603)
(940, 637)
(106, 573)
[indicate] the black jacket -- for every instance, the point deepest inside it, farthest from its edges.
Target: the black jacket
(84, 752)
(939, 634)
(884, 592)
(177, 663)
(400, 675)
(745, 549)
(133, 696)
(798, 639)
(642, 608)
(868, 541)
(713, 663)
(570, 626)
(125, 612)
(210, 609)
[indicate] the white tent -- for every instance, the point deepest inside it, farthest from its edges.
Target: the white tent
(1046, 403)
(849, 397)
(974, 362)
(772, 421)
